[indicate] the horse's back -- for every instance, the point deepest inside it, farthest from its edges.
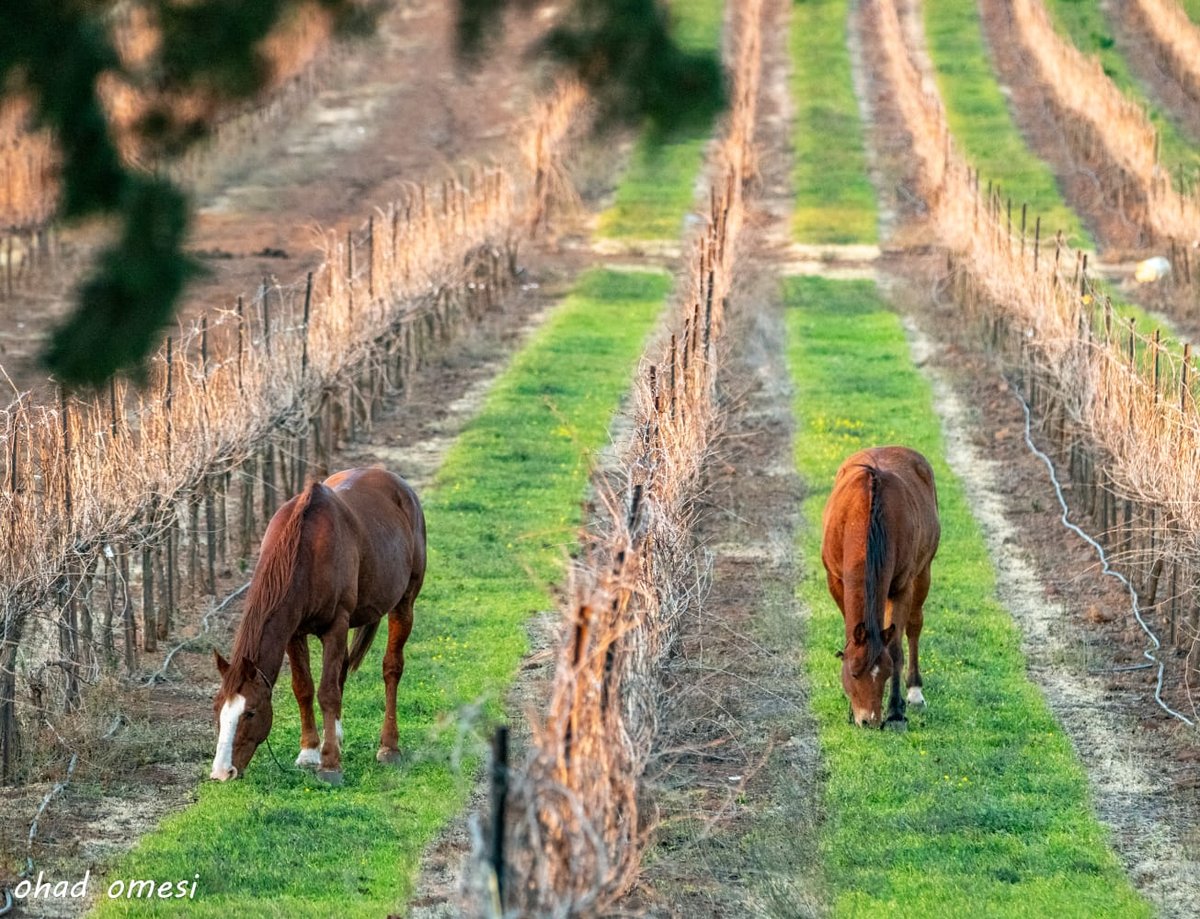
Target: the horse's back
(909, 494)
(390, 523)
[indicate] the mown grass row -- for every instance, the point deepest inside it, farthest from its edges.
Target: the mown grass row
(501, 515)
(1085, 24)
(980, 119)
(658, 188)
(836, 201)
(981, 808)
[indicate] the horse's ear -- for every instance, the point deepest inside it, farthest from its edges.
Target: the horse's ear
(888, 633)
(222, 664)
(860, 634)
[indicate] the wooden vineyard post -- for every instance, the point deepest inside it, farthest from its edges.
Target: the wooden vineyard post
(66, 450)
(149, 621)
(249, 471)
(241, 344)
(210, 535)
(128, 624)
(170, 596)
(1185, 377)
(371, 259)
(268, 481)
(301, 464)
(1037, 242)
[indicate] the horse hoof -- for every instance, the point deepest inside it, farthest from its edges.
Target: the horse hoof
(330, 776)
(389, 757)
(309, 759)
(898, 724)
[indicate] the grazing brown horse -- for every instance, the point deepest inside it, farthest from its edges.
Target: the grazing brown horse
(342, 555)
(881, 533)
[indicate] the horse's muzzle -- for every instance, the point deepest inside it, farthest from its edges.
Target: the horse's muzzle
(225, 777)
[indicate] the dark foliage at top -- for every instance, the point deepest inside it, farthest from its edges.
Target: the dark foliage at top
(624, 52)
(55, 51)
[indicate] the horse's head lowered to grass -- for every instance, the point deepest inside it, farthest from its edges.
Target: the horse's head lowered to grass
(866, 668)
(242, 712)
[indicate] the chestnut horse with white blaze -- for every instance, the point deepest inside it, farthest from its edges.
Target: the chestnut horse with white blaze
(881, 533)
(342, 555)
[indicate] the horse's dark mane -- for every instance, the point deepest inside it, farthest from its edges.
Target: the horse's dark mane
(273, 577)
(876, 559)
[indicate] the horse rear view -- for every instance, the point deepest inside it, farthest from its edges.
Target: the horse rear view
(881, 533)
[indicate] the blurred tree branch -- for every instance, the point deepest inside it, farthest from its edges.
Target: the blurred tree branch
(54, 52)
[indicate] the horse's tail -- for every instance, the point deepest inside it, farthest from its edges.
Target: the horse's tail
(875, 589)
(363, 636)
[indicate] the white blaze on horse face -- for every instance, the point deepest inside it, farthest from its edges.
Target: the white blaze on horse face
(875, 673)
(231, 714)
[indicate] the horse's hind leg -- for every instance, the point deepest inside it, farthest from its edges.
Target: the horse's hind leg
(400, 622)
(302, 686)
(916, 619)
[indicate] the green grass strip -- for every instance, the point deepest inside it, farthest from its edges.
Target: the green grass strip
(1085, 24)
(980, 119)
(658, 188)
(836, 201)
(981, 808)
(1192, 8)
(501, 516)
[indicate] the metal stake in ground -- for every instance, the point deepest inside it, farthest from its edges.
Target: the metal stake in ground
(499, 800)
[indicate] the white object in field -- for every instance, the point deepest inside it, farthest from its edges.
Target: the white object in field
(1152, 269)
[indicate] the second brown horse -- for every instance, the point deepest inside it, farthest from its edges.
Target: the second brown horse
(881, 533)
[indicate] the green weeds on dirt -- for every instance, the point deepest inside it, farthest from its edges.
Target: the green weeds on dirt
(836, 201)
(981, 808)
(502, 515)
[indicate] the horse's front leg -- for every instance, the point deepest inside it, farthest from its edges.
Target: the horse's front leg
(895, 714)
(302, 686)
(334, 664)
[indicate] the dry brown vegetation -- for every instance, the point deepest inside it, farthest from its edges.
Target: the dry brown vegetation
(1108, 135)
(1118, 406)
(105, 499)
(578, 828)
(1174, 38)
